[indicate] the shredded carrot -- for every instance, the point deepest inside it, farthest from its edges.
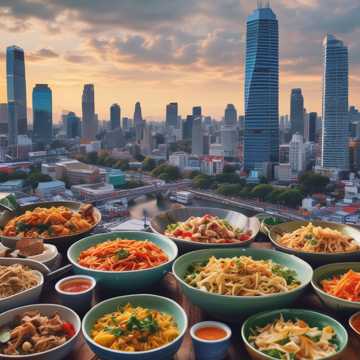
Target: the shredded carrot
(346, 286)
(122, 255)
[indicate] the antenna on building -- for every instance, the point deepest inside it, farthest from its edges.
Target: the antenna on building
(259, 4)
(267, 5)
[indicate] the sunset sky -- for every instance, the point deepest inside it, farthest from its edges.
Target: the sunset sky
(159, 51)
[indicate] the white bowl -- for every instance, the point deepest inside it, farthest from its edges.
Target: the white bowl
(57, 353)
(29, 296)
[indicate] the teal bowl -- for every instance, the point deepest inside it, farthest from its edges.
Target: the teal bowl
(235, 308)
(311, 317)
(124, 282)
(144, 300)
(327, 272)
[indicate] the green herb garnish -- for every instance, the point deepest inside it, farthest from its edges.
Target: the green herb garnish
(21, 226)
(275, 353)
(122, 254)
(283, 341)
(289, 275)
(116, 331)
(149, 324)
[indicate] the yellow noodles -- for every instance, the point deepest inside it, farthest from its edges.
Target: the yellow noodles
(294, 340)
(134, 329)
(312, 238)
(241, 276)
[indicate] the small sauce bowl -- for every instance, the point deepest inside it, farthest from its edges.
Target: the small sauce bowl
(210, 348)
(351, 323)
(80, 301)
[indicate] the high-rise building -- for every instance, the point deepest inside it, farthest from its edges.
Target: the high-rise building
(126, 123)
(42, 114)
(229, 140)
(335, 130)
(16, 92)
(297, 112)
(197, 146)
(311, 133)
(230, 116)
(72, 125)
(115, 116)
(171, 115)
(4, 119)
(196, 111)
(297, 153)
(138, 122)
(187, 127)
(147, 140)
(89, 122)
(261, 136)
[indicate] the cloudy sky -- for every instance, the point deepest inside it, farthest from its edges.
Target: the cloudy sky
(158, 51)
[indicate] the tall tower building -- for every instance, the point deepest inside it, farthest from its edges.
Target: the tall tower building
(196, 112)
(197, 139)
(138, 122)
(115, 116)
(89, 122)
(187, 127)
(42, 114)
(16, 92)
(72, 125)
(335, 130)
(230, 117)
(297, 153)
(171, 115)
(261, 135)
(297, 112)
(311, 133)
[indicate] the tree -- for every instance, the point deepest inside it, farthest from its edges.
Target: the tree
(92, 158)
(202, 181)
(291, 198)
(228, 169)
(229, 189)
(171, 172)
(228, 177)
(261, 191)
(273, 197)
(139, 157)
(149, 164)
(311, 183)
(3, 177)
(122, 164)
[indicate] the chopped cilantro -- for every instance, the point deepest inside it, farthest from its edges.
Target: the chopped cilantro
(116, 331)
(21, 226)
(149, 324)
(275, 353)
(289, 275)
(122, 254)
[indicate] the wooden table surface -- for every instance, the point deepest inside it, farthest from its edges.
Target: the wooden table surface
(169, 288)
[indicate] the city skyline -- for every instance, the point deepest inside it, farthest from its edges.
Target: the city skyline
(208, 67)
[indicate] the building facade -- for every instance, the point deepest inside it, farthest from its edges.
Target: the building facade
(230, 116)
(171, 115)
(197, 140)
(138, 122)
(42, 114)
(297, 153)
(89, 123)
(311, 127)
(72, 125)
(297, 112)
(335, 130)
(115, 116)
(261, 136)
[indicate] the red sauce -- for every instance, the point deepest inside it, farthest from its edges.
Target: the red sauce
(356, 322)
(210, 333)
(76, 285)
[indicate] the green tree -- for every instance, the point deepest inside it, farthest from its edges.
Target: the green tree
(311, 183)
(171, 172)
(122, 164)
(139, 157)
(228, 169)
(229, 189)
(4, 177)
(202, 181)
(92, 158)
(261, 191)
(273, 197)
(228, 177)
(149, 164)
(291, 198)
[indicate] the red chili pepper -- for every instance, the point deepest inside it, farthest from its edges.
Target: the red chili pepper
(244, 237)
(187, 234)
(69, 329)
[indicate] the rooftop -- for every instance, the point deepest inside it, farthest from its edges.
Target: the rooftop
(262, 13)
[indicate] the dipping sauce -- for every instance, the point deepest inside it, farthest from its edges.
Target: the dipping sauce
(355, 322)
(210, 333)
(75, 285)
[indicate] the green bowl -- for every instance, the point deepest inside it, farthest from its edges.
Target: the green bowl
(144, 300)
(311, 317)
(235, 308)
(327, 272)
(124, 282)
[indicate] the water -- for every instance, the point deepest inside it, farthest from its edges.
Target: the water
(153, 206)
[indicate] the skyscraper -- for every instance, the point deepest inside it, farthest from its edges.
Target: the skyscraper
(72, 125)
(335, 130)
(196, 112)
(171, 115)
(297, 112)
(261, 136)
(297, 153)
(312, 119)
(187, 127)
(16, 92)
(230, 117)
(197, 139)
(115, 116)
(138, 122)
(89, 122)
(42, 114)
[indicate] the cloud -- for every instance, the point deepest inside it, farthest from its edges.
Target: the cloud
(78, 58)
(42, 54)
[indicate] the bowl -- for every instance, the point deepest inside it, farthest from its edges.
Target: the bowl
(159, 223)
(78, 301)
(210, 349)
(124, 281)
(235, 308)
(29, 296)
(311, 317)
(351, 324)
(313, 258)
(144, 300)
(60, 352)
(331, 301)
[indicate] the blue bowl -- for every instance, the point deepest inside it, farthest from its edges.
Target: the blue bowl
(124, 282)
(159, 303)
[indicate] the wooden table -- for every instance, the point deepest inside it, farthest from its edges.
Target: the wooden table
(169, 288)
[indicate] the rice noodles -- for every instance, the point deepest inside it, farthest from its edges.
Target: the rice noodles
(241, 276)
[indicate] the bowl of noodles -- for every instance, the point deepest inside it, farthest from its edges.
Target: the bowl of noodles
(317, 242)
(338, 286)
(294, 334)
(232, 283)
(123, 261)
(131, 327)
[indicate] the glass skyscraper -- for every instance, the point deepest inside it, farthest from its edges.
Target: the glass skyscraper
(16, 92)
(335, 130)
(230, 116)
(115, 116)
(261, 136)
(171, 114)
(297, 112)
(42, 114)
(89, 122)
